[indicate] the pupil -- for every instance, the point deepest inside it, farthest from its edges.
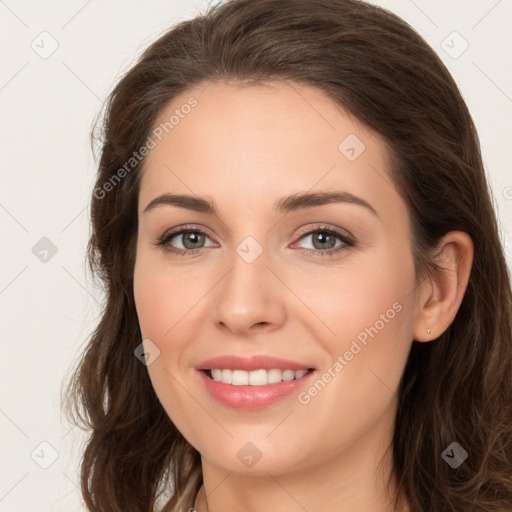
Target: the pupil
(323, 238)
(197, 236)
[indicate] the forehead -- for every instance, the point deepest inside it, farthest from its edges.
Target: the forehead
(249, 145)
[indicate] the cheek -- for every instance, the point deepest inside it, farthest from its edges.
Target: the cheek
(162, 297)
(167, 300)
(149, 294)
(358, 294)
(367, 317)
(359, 383)
(159, 310)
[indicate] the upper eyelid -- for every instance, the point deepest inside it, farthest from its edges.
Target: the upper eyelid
(171, 233)
(337, 231)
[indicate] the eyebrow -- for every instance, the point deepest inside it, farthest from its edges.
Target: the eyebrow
(287, 204)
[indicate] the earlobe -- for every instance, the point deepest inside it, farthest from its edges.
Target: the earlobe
(442, 292)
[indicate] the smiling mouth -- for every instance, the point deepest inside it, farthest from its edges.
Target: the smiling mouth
(260, 377)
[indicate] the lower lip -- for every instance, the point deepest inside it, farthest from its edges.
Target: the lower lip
(253, 397)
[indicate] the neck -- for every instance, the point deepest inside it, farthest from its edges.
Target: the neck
(355, 479)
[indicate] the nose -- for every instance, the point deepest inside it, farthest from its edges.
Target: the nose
(250, 298)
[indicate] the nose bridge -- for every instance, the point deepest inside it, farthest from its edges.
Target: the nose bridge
(248, 266)
(247, 295)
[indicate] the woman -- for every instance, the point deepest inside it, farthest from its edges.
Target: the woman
(235, 367)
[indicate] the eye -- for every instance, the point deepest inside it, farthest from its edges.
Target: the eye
(191, 240)
(324, 241)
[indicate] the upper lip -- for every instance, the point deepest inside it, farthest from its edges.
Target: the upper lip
(256, 362)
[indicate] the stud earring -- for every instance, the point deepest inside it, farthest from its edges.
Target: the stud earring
(428, 331)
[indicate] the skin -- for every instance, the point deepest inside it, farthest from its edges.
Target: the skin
(245, 147)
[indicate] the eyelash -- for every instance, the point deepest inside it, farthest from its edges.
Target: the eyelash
(348, 241)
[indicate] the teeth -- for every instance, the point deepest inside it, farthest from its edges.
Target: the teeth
(288, 375)
(274, 376)
(240, 378)
(258, 377)
(255, 377)
(217, 375)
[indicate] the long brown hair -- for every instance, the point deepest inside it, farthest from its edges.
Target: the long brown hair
(456, 388)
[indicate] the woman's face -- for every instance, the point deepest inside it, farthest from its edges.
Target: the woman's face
(255, 279)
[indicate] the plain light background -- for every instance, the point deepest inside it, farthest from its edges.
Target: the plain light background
(48, 102)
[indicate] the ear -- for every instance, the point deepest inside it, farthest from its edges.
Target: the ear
(441, 293)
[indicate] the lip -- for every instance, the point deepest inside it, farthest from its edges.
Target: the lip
(253, 397)
(256, 362)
